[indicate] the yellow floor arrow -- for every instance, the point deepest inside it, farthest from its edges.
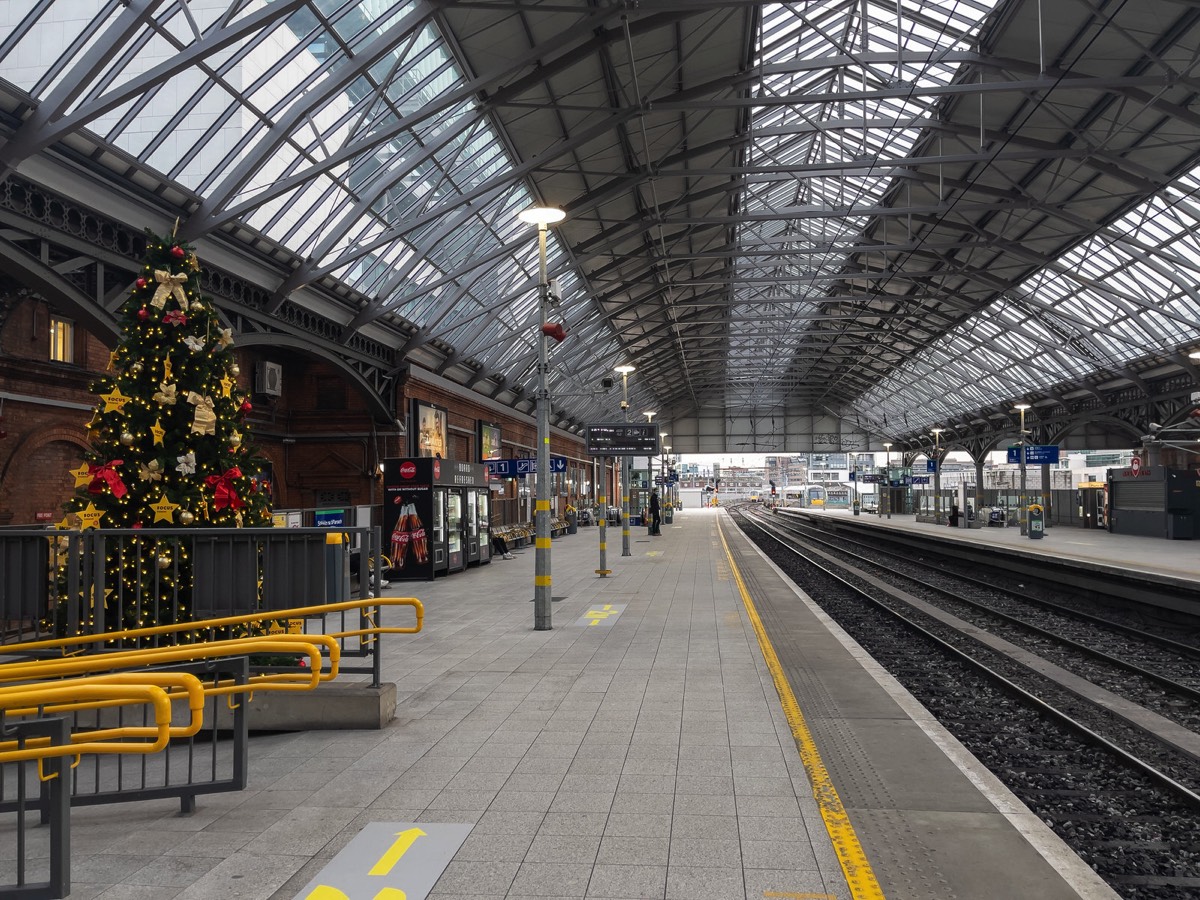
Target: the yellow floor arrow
(404, 840)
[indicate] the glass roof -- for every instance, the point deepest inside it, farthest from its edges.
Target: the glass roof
(349, 134)
(837, 145)
(1129, 292)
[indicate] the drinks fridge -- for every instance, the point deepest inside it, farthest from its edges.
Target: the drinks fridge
(434, 516)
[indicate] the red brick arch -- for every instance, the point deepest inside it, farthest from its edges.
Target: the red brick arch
(29, 479)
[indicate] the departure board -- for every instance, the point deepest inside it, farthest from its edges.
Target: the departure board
(623, 439)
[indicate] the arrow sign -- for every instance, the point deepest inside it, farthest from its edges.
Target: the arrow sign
(404, 840)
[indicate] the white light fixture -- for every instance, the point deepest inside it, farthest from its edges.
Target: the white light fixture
(541, 215)
(624, 370)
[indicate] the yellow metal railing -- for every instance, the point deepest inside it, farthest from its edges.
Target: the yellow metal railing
(97, 680)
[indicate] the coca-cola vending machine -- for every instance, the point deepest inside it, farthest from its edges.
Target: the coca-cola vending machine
(425, 522)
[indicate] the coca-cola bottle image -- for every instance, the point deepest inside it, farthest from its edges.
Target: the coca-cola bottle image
(419, 542)
(400, 539)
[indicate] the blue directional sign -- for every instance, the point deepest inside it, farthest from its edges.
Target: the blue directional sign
(930, 465)
(1035, 454)
(920, 479)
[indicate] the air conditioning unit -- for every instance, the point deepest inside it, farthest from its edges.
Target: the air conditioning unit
(269, 379)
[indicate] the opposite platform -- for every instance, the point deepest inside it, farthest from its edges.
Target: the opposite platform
(638, 750)
(1177, 561)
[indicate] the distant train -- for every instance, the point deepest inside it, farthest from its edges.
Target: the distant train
(806, 496)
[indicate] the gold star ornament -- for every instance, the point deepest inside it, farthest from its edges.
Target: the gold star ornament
(115, 401)
(82, 475)
(164, 510)
(90, 517)
(158, 431)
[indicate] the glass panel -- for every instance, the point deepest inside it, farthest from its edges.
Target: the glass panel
(454, 513)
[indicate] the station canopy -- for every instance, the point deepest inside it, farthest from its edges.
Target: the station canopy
(894, 213)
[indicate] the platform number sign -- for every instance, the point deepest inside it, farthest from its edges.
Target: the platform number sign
(388, 861)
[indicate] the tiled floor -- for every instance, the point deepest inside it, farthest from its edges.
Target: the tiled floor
(643, 757)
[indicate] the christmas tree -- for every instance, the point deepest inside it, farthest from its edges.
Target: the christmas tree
(168, 443)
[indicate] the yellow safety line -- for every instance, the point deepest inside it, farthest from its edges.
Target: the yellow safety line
(858, 871)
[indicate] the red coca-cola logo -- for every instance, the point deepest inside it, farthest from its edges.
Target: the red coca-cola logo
(437, 469)
(408, 469)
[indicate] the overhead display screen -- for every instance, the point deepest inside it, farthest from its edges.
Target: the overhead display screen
(623, 439)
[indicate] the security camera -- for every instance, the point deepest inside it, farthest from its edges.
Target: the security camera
(554, 291)
(606, 383)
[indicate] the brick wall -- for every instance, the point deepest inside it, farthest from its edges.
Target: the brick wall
(318, 435)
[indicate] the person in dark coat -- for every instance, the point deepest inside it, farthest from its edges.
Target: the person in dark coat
(655, 514)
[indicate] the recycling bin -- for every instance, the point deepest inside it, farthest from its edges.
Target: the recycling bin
(1037, 522)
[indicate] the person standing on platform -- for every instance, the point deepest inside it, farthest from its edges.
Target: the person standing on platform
(655, 514)
(954, 516)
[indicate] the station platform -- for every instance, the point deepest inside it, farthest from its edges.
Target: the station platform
(1177, 560)
(692, 728)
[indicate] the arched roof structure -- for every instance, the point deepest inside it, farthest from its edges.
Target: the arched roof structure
(848, 217)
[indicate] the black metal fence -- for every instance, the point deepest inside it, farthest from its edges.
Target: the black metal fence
(32, 794)
(66, 583)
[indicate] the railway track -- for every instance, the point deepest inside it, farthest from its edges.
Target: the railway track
(1111, 772)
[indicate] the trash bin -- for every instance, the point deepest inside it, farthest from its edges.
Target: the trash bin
(572, 521)
(857, 511)
(1037, 522)
(668, 514)
(337, 568)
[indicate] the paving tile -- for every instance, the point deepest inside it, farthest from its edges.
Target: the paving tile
(489, 846)
(710, 827)
(630, 850)
(639, 824)
(563, 848)
(583, 823)
(692, 882)
(522, 801)
(243, 876)
(478, 876)
(778, 855)
(724, 852)
(628, 882)
(552, 879)
(582, 801)
(699, 804)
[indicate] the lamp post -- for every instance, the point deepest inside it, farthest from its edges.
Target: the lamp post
(937, 475)
(541, 217)
(1021, 516)
(887, 480)
(662, 455)
(666, 493)
(624, 371)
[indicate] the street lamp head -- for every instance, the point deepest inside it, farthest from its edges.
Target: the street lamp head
(541, 215)
(624, 370)
(650, 414)
(1021, 407)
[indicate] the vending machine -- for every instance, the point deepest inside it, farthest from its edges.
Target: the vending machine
(430, 516)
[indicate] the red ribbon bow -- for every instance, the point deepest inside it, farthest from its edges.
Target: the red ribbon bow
(224, 492)
(107, 475)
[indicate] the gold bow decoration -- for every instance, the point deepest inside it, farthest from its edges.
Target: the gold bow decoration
(169, 286)
(165, 395)
(151, 471)
(205, 419)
